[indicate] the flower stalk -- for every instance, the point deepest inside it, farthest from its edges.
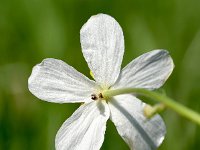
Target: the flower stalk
(168, 102)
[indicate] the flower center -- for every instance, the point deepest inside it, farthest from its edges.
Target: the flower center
(96, 97)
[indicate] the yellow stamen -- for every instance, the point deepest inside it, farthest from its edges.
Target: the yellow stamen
(150, 111)
(92, 75)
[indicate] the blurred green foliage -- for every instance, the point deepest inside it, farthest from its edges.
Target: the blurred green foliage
(31, 30)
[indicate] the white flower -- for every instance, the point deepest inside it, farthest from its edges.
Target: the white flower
(102, 44)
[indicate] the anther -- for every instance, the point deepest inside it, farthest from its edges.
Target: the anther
(94, 97)
(100, 95)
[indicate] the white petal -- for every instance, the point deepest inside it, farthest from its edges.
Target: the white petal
(149, 70)
(85, 129)
(137, 131)
(102, 44)
(55, 81)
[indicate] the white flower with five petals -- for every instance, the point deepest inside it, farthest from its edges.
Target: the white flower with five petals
(102, 44)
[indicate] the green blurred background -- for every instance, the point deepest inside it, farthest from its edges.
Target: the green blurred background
(31, 30)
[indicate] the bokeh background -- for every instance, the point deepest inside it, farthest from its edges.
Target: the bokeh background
(31, 30)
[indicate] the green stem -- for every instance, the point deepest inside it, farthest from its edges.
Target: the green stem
(168, 102)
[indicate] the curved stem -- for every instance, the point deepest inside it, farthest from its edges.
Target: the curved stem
(168, 102)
